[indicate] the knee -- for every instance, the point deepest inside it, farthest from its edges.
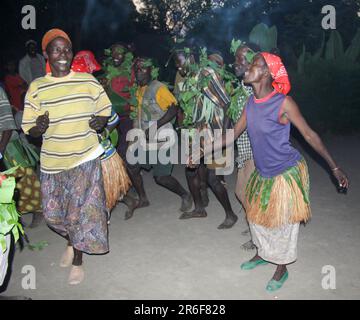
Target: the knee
(161, 180)
(213, 179)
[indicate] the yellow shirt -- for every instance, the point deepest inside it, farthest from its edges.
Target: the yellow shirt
(70, 101)
(164, 97)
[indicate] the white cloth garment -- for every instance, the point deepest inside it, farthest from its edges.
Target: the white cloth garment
(277, 245)
(27, 65)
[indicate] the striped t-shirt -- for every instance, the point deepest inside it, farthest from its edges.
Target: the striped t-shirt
(70, 101)
(6, 117)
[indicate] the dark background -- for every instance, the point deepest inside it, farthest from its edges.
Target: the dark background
(328, 91)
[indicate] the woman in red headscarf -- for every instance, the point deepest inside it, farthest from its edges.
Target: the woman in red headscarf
(277, 193)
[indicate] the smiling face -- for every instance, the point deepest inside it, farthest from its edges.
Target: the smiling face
(118, 55)
(59, 54)
(241, 64)
(257, 71)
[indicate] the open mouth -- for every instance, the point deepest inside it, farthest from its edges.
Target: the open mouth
(62, 62)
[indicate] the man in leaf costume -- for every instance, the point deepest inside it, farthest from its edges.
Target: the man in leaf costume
(155, 104)
(120, 80)
(277, 193)
(205, 103)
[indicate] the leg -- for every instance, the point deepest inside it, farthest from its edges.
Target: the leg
(137, 182)
(193, 179)
(203, 185)
(68, 255)
(243, 176)
(170, 183)
(217, 186)
(37, 218)
(131, 203)
(77, 271)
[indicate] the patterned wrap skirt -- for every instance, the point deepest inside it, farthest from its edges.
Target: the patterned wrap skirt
(74, 206)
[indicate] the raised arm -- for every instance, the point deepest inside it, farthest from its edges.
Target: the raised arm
(290, 111)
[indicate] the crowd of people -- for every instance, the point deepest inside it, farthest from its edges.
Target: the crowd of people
(78, 123)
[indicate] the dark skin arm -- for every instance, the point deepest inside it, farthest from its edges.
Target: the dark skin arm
(239, 128)
(167, 117)
(98, 123)
(5, 137)
(290, 111)
(42, 123)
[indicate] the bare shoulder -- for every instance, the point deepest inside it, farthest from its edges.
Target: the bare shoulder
(289, 104)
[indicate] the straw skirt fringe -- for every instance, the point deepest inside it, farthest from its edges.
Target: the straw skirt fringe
(116, 180)
(281, 200)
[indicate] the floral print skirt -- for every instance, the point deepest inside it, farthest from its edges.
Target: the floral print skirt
(73, 204)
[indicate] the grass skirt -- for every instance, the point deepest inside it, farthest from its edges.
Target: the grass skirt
(277, 201)
(116, 180)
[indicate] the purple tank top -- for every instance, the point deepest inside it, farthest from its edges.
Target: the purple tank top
(269, 139)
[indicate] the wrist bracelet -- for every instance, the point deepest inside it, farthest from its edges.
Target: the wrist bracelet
(334, 169)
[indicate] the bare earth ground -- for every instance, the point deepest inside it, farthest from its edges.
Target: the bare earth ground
(157, 256)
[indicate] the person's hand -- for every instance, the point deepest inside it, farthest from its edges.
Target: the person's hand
(97, 123)
(42, 122)
(341, 177)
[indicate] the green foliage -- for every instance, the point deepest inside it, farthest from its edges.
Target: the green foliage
(264, 37)
(235, 44)
(9, 217)
(353, 51)
(37, 246)
(334, 47)
(333, 74)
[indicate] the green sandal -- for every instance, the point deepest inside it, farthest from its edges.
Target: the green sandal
(252, 264)
(274, 285)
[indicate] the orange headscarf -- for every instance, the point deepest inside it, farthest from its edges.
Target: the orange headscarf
(278, 72)
(50, 36)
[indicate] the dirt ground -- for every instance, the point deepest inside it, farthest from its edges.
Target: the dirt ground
(155, 255)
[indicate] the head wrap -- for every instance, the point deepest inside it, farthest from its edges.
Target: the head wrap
(278, 72)
(51, 35)
(84, 61)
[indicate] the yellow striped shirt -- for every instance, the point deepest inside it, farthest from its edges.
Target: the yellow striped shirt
(70, 101)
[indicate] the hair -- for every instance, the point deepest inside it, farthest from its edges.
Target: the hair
(252, 46)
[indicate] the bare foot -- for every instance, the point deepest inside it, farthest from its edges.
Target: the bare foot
(67, 257)
(229, 221)
(143, 203)
(194, 214)
(76, 275)
(247, 246)
(132, 204)
(186, 203)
